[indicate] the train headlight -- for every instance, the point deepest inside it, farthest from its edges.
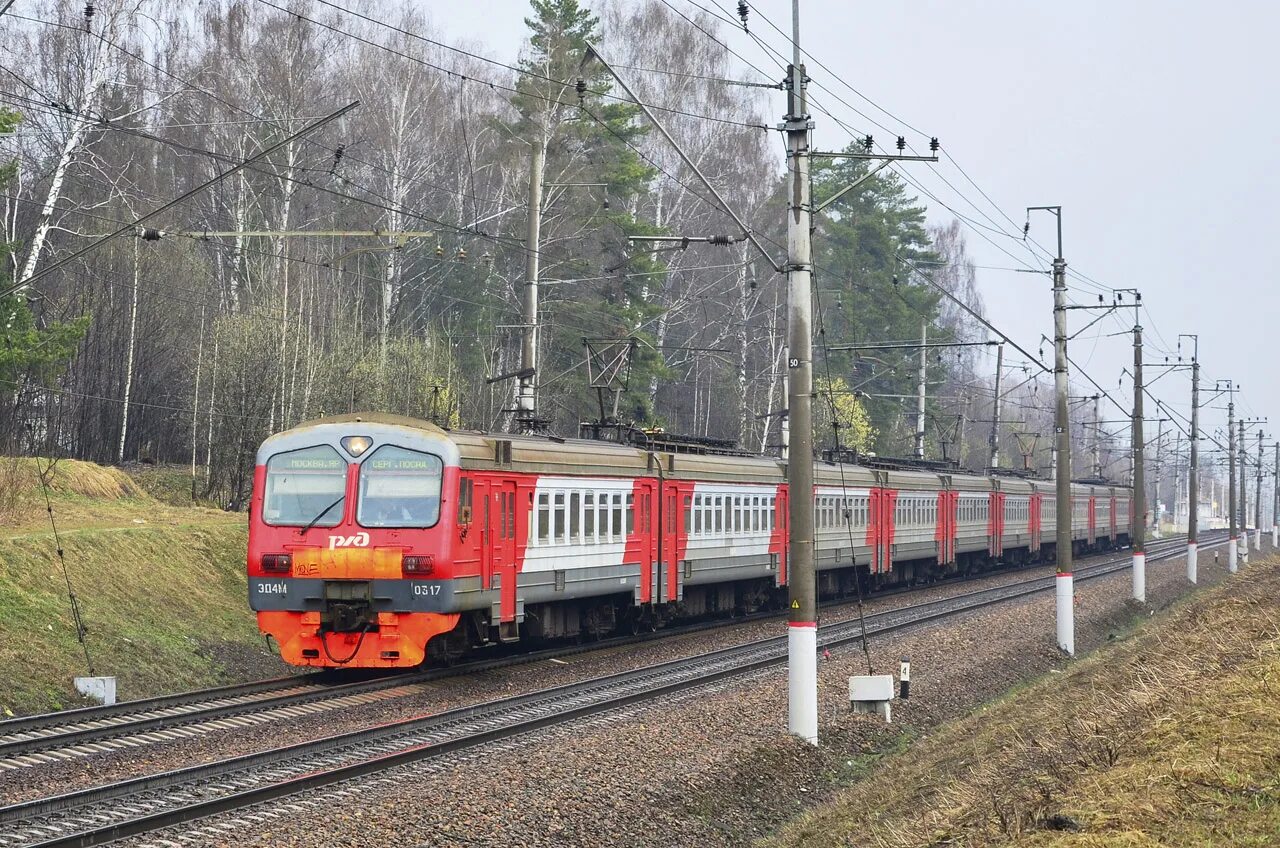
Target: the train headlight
(418, 564)
(277, 563)
(356, 445)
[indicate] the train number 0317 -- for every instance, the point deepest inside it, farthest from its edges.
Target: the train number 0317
(426, 588)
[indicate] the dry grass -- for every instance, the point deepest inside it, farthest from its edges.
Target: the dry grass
(20, 479)
(1169, 738)
(161, 587)
(85, 496)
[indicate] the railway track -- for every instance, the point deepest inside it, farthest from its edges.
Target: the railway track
(146, 804)
(52, 737)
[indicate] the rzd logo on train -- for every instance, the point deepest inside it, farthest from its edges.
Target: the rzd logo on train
(359, 540)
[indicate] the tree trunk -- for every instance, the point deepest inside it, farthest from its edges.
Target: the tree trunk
(128, 365)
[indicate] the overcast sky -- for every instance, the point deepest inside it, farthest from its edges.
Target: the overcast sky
(1153, 124)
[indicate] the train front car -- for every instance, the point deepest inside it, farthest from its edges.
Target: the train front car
(349, 556)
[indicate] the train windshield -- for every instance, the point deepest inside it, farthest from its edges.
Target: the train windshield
(305, 486)
(399, 488)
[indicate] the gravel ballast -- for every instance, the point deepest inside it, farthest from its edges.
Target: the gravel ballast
(714, 766)
(435, 697)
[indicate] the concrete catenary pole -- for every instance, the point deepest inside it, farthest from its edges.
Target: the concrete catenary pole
(1193, 472)
(1139, 482)
(1177, 479)
(920, 388)
(1244, 495)
(1257, 501)
(1064, 584)
(1275, 502)
(1096, 472)
(1233, 550)
(527, 399)
(994, 441)
(1159, 480)
(802, 631)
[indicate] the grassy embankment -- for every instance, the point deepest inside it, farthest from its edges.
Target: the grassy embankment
(1168, 738)
(161, 588)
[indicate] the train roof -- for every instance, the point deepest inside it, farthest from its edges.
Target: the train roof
(552, 455)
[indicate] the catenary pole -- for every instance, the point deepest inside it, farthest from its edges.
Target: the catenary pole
(1257, 501)
(1064, 586)
(1096, 471)
(526, 393)
(994, 441)
(1159, 479)
(1233, 548)
(920, 388)
(1193, 472)
(1139, 482)
(1275, 501)
(1177, 477)
(802, 630)
(1244, 495)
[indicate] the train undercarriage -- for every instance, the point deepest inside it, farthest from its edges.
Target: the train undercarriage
(595, 618)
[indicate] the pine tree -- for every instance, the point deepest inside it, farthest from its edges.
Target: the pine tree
(564, 103)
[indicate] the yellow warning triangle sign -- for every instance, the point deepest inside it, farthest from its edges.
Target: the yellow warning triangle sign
(795, 605)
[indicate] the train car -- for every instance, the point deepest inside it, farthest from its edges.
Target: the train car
(382, 541)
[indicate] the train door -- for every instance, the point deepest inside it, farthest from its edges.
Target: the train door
(995, 523)
(496, 502)
(671, 551)
(647, 533)
(1033, 521)
(1115, 520)
(944, 529)
(887, 530)
(481, 522)
(1091, 534)
(779, 539)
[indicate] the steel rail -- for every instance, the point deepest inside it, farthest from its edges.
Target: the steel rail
(21, 737)
(427, 737)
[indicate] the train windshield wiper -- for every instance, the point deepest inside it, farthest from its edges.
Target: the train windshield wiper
(313, 522)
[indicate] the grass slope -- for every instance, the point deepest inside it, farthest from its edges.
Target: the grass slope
(1170, 738)
(161, 589)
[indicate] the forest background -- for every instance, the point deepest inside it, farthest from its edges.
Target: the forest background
(188, 347)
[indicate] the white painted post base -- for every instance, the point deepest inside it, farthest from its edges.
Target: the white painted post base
(1275, 537)
(1065, 592)
(1192, 555)
(1140, 577)
(1257, 539)
(802, 680)
(1233, 551)
(100, 689)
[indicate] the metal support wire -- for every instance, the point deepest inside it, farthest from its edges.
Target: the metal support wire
(81, 629)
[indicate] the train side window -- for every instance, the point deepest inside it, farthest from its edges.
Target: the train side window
(465, 493)
(602, 516)
(615, 527)
(688, 514)
(631, 514)
(544, 518)
(717, 512)
(557, 519)
(736, 509)
(589, 516)
(755, 515)
(575, 516)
